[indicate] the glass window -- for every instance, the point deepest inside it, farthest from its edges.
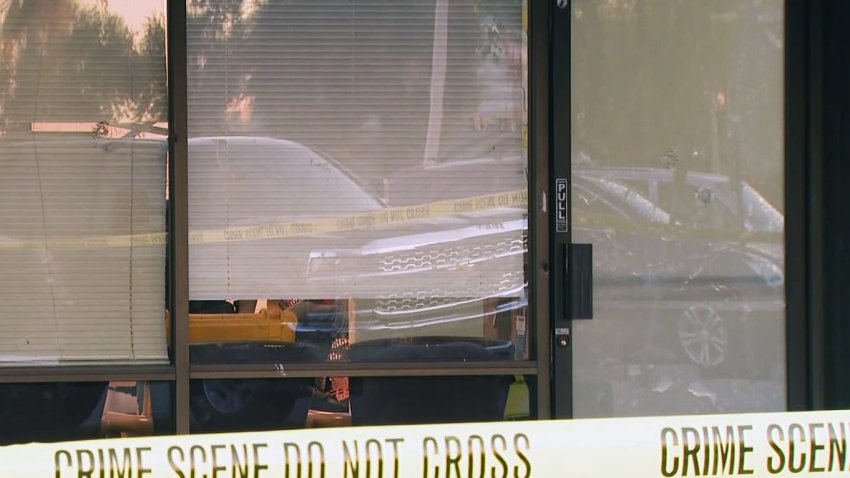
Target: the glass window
(82, 182)
(60, 411)
(357, 173)
(51, 411)
(221, 405)
(677, 117)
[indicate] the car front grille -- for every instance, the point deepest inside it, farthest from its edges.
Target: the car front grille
(466, 252)
(439, 298)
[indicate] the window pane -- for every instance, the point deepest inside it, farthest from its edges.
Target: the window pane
(82, 182)
(272, 404)
(52, 412)
(678, 177)
(357, 172)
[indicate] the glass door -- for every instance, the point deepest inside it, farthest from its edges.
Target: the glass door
(676, 157)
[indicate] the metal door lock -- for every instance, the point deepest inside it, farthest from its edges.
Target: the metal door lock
(562, 4)
(562, 337)
(563, 341)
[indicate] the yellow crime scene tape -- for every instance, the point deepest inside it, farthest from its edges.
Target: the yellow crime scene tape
(387, 217)
(284, 230)
(757, 445)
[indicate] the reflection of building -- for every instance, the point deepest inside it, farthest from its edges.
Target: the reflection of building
(294, 232)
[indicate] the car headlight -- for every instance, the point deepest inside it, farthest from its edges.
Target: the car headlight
(772, 274)
(323, 263)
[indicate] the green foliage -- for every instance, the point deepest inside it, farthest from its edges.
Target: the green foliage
(64, 63)
(152, 98)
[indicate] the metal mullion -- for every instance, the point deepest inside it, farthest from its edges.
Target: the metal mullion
(796, 192)
(814, 212)
(364, 369)
(539, 108)
(86, 373)
(179, 206)
(559, 126)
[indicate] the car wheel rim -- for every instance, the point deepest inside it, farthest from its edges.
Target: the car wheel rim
(702, 334)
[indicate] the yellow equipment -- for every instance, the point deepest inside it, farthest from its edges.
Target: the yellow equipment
(269, 325)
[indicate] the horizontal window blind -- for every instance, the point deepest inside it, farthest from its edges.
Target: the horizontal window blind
(82, 194)
(359, 148)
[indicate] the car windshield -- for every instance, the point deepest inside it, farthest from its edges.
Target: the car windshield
(639, 207)
(759, 214)
(254, 179)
